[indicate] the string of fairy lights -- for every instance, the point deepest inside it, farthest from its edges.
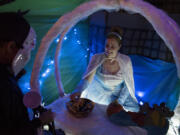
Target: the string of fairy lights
(49, 62)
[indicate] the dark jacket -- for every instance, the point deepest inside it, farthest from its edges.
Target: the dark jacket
(14, 119)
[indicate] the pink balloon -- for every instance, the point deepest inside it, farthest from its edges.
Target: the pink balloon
(32, 99)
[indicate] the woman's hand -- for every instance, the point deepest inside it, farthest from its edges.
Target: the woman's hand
(113, 108)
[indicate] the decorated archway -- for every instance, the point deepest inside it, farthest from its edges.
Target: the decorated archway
(164, 26)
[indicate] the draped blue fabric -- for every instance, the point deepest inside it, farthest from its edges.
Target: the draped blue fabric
(156, 81)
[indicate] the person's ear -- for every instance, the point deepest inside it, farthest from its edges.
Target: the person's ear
(8, 51)
(11, 47)
(119, 47)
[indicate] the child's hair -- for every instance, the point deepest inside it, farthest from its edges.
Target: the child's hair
(13, 27)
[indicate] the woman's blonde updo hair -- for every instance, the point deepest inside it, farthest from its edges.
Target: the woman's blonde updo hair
(116, 33)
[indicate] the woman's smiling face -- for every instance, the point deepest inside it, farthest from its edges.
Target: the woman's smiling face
(112, 47)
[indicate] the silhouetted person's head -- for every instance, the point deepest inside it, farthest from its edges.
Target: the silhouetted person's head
(17, 39)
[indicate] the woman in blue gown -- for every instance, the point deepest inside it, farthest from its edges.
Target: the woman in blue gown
(109, 76)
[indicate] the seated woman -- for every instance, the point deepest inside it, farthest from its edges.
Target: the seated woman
(109, 76)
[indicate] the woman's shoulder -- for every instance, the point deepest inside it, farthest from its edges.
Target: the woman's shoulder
(124, 57)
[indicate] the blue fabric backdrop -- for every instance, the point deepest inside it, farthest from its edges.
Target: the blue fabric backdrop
(156, 81)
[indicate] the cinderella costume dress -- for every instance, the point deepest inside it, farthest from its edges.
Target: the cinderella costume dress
(106, 88)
